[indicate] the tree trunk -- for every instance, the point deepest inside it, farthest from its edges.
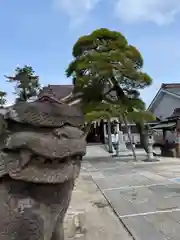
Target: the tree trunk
(110, 137)
(24, 95)
(143, 136)
(121, 96)
(129, 136)
(87, 129)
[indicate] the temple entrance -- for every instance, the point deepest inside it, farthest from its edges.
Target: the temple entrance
(96, 133)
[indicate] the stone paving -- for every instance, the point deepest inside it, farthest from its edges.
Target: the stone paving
(89, 216)
(146, 196)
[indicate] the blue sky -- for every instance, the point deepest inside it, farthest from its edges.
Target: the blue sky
(41, 33)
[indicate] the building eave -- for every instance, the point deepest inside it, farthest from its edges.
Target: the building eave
(154, 100)
(159, 94)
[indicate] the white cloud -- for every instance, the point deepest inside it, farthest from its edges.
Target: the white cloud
(161, 12)
(77, 10)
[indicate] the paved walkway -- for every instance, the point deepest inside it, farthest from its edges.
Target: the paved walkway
(89, 216)
(100, 151)
(96, 151)
(145, 196)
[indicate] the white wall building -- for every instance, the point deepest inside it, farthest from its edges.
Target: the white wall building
(166, 100)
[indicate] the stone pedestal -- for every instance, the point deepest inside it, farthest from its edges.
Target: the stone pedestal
(150, 147)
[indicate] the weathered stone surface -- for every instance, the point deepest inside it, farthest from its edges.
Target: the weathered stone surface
(41, 151)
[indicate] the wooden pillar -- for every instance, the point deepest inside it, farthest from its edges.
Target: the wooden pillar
(98, 132)
(120, 127)
(110, 137)
(178, 138)
(102, 131)
(164, 135)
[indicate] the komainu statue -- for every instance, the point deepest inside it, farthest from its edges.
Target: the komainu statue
(41, 148)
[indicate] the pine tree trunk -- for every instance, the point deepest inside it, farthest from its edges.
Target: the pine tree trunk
(129, 136)
(143, 136)
(24, 95)
(87, 129)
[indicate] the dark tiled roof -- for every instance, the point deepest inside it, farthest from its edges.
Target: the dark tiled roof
(57, 91)
(176, 112)
(170, 85)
